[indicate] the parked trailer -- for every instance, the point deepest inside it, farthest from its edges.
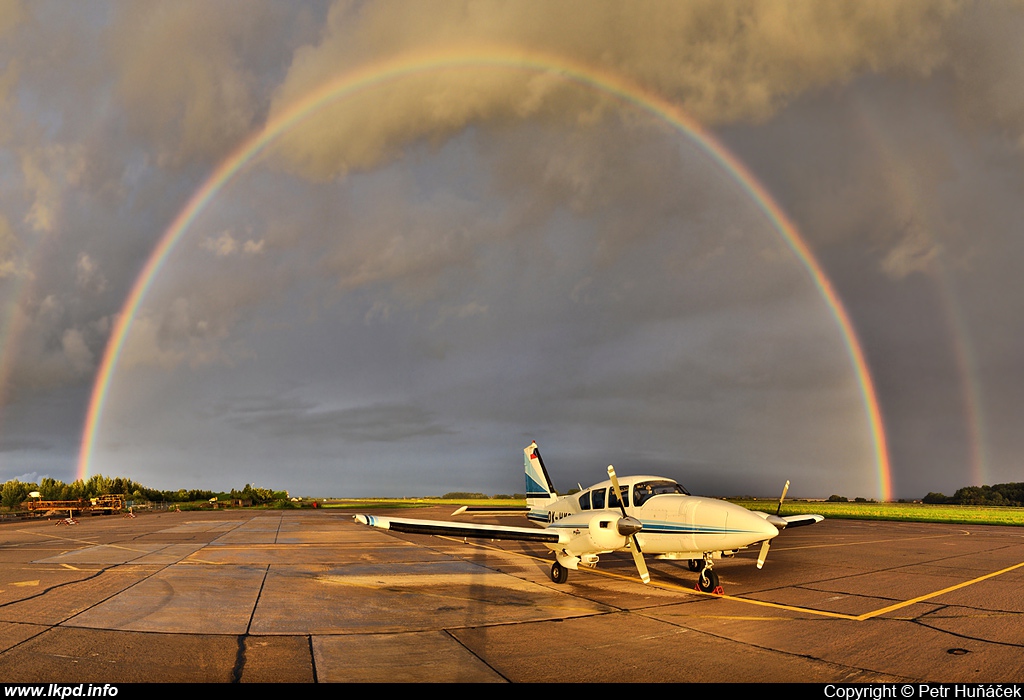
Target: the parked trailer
(101, 505)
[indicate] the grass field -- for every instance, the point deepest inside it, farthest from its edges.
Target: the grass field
(907, 512)
(369, 503)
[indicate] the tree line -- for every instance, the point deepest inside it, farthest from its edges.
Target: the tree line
(13, 493)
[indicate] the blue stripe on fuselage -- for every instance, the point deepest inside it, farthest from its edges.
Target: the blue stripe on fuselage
(653, 527)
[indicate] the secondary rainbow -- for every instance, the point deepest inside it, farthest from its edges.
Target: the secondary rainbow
(499, 58)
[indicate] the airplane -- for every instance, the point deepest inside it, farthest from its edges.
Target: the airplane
(650, 515)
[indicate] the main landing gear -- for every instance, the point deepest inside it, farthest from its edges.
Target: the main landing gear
(707, 580)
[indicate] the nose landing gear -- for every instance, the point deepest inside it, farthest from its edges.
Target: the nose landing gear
(707, 580)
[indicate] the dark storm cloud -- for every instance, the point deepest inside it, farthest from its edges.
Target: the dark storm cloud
(293, 418)
(519, 254)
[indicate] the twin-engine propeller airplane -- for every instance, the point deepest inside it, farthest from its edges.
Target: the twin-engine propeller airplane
(641, 514)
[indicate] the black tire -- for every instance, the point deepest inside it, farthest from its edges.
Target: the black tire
(559, 574)
(707, 581)
(695, 564)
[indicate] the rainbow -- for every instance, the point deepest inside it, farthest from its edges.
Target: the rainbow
(505, 58)
(903, 190)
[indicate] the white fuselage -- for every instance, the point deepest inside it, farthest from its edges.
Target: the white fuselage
(673, 522)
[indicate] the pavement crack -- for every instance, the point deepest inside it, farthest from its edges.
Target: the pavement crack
(312, 658)
(476, 656)
(972, 638)
(236, 672)
(53, 588)
(255, 604)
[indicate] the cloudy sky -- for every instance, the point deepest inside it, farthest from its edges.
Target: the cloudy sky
(410, 281)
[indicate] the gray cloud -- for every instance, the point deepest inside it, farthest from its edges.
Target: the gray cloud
(470, 256)
(296, 418)
(721, 62)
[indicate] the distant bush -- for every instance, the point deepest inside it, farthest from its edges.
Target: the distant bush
(838, 499)
(1011, 494)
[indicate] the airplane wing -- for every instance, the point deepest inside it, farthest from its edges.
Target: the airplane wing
(798, 520)
(453, 529)
(786, 521)
(491, 510)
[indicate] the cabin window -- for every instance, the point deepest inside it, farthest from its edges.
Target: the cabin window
(585, 501)
(613, 501)
(597, 499)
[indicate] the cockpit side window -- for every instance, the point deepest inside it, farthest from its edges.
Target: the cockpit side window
(645, 490)
(597, 499)
(585, 501)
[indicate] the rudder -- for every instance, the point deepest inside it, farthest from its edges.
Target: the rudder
(539, 491)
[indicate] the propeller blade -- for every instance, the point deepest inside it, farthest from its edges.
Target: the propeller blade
(778, 511)
(633, 524)
(764, 553)
(638, 559)
(618, 490)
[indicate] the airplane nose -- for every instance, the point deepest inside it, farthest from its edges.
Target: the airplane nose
(752, 522)
(763, 527)
(778, 522)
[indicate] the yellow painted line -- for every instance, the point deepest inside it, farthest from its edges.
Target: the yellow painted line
(68, 566)
(56, 537)
(742, 618)
(88, 542)
(269, 546)
(421, 590)
(450, 596)
(863, 542)
(190, 560)
(928, 596)
(25, 583)
(677, 587)
(779, 606)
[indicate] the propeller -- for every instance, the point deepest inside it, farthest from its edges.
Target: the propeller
(628, 527)
(778, 511)
(778, 522)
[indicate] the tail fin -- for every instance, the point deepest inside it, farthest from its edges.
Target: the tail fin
(539, 491)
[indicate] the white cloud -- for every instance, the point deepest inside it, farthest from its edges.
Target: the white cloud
(88, 277)
(722, 62)
(76, 351)
(225, 245)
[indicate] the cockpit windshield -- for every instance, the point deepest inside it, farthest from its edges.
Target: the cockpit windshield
(644, 490)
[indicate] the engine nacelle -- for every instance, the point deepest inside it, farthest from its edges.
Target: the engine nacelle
(603, 532)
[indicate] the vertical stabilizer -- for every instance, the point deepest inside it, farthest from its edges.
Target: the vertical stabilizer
(539, 491)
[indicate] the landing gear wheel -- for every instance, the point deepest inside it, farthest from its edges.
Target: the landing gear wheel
(695, 564)
(559, 574)
(707, 581)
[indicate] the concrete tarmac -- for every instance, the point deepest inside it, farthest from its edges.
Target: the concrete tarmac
(304, 596)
